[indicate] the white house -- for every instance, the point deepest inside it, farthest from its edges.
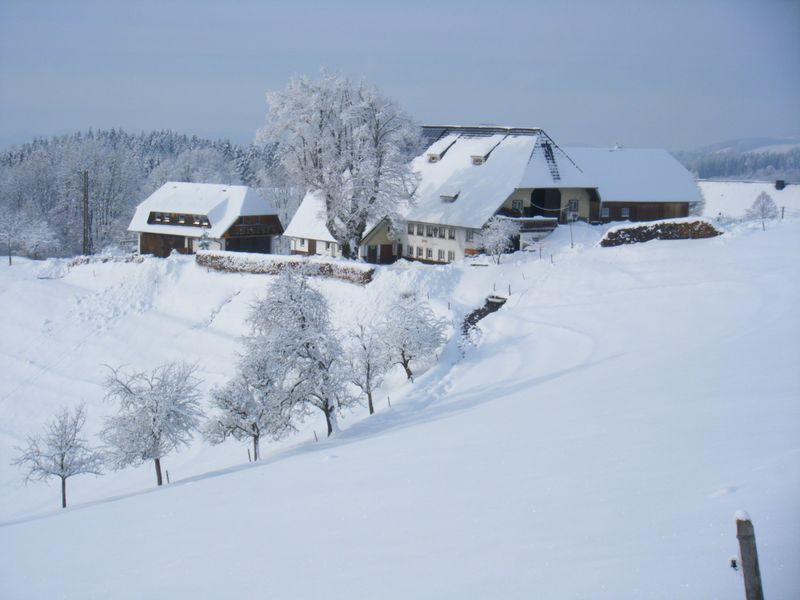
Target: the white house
(181, 216)
(469, 174)
(307, 231)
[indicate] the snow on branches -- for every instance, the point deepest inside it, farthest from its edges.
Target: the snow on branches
(498, 236)
(412, 332)
(158, 412)
(350, 142)
(291, 329)
(763, 208)
(62, 452)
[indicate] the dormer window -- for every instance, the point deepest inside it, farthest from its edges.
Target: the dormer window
(196, 220)
(434, 158)
(449, 198)
(166, 218)
(157, 218)
(478, 160)
(181, 219)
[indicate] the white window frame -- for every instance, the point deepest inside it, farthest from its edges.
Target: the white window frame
(429, 253)
(470, 235)
(451, 256)
(605, 212)
(625, 212)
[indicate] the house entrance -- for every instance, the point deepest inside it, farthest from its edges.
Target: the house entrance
(546, 202)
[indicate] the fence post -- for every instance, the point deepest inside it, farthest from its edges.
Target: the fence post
(167, 472)
(249, 459)
(747, 549)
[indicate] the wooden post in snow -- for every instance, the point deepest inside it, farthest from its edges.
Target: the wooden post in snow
(167, 472)
(747, 549)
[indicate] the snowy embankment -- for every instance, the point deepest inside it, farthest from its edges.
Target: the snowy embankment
(595, 443)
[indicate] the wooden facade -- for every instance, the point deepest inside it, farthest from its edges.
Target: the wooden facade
(643, 211)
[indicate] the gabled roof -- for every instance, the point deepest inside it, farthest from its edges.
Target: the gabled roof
(309, 220)
(454, 191)
(636, 175)
(222, 204)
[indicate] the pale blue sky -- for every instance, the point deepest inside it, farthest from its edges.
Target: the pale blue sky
(674, 74)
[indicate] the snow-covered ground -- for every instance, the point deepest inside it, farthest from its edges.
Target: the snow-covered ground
(595, 443)
(731, 199)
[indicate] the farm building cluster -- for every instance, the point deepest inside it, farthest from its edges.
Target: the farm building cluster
(466, 176)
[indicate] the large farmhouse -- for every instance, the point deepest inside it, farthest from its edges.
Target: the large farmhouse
(470, 174)
(183, 216)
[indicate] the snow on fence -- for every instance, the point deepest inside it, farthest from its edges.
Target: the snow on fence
(236, 262)
(659, 230)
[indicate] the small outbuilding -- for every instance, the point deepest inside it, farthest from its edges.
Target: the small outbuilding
(307, 232)
(185, 217)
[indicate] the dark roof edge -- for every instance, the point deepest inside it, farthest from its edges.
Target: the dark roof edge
(487, 129)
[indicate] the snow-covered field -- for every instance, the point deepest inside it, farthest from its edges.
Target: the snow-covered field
(595, 443)
(731, 199)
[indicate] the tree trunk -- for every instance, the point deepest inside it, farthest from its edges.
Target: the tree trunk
(255, 447)
(369, 401)
(328, 421)
(406, 366)
(63, 492)
(158, 471)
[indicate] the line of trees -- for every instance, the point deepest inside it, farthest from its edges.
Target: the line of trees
(294, 364)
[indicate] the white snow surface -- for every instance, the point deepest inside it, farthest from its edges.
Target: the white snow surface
(309, 220)
(594, 441)
(732, 198)
(222, 204)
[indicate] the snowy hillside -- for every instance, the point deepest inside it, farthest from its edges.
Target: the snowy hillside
(732, 198)
(594, 442)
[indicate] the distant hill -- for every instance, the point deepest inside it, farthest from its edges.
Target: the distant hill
(761, 158)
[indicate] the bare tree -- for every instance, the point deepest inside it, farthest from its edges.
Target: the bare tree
(412, 332)
(62, 452)
(158, 412)
(247, 411)
(763, 208)
(369, 360)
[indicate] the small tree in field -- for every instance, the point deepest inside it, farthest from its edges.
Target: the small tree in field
(158, 412)
(763, 208)
(62, 453)
(412, 332)
(369, 361)
(498, 236)
(291, 329)
(246, 412)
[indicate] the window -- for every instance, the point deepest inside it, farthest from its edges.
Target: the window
(410, 251)
(420, 229)
(470, 235)
(419, 251)
(302, 242)
(441, 232)
(625, 212)
(410, 229)
(399, 250)
(516, 205)
(604, 212)
(327, 245)
(451, 256)
(435, 232)
(429, 253)
(451, 233)
(429, 230)
(441, 255)
(573, 205)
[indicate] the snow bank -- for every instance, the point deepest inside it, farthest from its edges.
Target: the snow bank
(269, 264)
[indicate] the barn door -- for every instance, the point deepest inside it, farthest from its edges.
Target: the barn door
(312, 246)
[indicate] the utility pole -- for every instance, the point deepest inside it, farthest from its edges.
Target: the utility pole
(86, 239)
(747, 549)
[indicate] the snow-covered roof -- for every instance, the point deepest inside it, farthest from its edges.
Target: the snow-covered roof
(222, 204)
(635, 175)
(454, 191)
(551, 167)
(309, 220)
(733, 198)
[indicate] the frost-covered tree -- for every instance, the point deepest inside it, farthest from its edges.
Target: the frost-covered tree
(11, 223)
(350, 142)
(412, 332)
(368, 359)
(247, 412)
(497, 236)
(291, 328)
(158, 412)
(62, 452)
(763, 208)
